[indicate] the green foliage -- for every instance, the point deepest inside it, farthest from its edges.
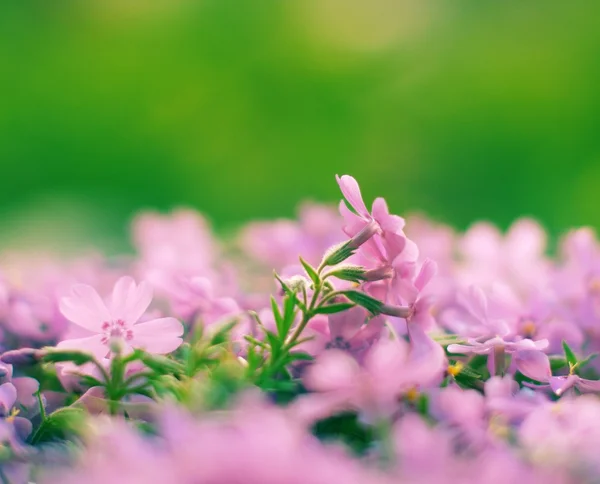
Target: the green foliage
(357, 436)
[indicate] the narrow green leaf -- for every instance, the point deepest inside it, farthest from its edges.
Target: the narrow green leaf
(274, 342)
(91, 381)
(311, 272)
(289, 315)
(558, 363)
(569, 354)
(333, 308)
(370, 304)
(162, 364)
(587, 360)
(222, 335)
(299, 356)
(277, 316)
(59, 356)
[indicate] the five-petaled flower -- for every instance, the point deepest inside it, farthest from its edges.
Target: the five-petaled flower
(117, 325)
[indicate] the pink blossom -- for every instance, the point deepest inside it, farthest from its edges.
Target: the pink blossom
(536, 365)
(349, 330)
(389, 369)
(389, 241)
(118, 322)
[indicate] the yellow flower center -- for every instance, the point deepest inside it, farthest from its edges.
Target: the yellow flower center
(529, 328)
(13, 413)
(412, 394)
(455, 369)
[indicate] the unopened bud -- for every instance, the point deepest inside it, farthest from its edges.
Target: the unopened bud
(296, 283)
(22, 357)
(338, 253)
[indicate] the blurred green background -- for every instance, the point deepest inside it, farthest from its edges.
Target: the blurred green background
(464, 110)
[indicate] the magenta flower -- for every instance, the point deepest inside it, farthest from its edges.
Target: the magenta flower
(118, 323)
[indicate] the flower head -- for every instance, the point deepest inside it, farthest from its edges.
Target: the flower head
(117, 324)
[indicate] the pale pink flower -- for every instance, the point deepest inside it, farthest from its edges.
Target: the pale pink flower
(379, 232)
(536, 365)
(118, 322)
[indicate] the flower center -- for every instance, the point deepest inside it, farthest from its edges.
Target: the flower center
(13, 414)
(338, 343)
(528, 328)
(115, 330)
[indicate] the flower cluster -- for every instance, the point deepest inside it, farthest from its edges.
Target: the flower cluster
(382, 351)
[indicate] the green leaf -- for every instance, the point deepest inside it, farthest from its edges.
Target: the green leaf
(274, 342)
(558, 363)
(59, 356)
(289, 315)
(162, 364)
(569, 354)
(588, 359)
(299, 356)
(59, 425)
(369, 303)
(311, 272)
(333, 308)
(423, 404)
(277, 316)
(90, 381)
(222, 335)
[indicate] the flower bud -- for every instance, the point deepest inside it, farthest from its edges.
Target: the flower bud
(21, 357)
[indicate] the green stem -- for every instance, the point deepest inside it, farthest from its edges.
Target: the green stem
(41, 404)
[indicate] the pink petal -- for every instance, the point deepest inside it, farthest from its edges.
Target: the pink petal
(158, 336)
(160, 345)
(351, 192)
(26, 388)
(591, 386)
(8, 395)
(389, 223)
(428, 360)
(91, 344)
(347, 323)
(369, 332)
(533, 364)
(500, 387)
(561, 384)
(476, 303)
(123, 290)
(85, 308)
(395, 246)
(333, 370)
(427, 272)
(159, 327)
(138, 300)
(353, 224)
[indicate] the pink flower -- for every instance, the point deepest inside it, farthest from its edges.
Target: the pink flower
(389, 369)
(349, 330)
(117, 323)
(536, 365)
(363, 226)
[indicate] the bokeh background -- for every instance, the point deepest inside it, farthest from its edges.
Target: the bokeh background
(464, 110)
